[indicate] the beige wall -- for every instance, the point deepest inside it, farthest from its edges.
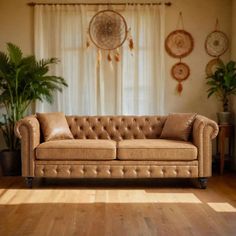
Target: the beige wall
(16, 24)
(199, 18)
(233, 57)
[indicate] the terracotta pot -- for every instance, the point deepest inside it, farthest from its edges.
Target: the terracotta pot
(11, 162)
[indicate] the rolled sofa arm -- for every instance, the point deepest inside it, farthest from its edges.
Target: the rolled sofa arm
(28, 130)
(204, 130)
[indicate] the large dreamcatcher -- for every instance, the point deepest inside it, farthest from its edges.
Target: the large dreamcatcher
(216, 44)
(108, 31)
(179, 44)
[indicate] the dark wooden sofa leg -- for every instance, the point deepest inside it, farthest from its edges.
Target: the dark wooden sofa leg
(29, 182)
(203, 182)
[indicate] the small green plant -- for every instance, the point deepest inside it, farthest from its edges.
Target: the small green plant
(223, 83)
(23, 80)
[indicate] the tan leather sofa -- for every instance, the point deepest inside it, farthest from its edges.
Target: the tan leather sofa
(117, 147)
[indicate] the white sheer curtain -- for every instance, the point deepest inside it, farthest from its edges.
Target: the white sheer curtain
(135, 85)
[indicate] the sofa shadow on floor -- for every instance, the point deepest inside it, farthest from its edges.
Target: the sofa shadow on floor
(55, 183)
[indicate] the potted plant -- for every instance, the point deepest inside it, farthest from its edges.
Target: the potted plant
(23, 80)
(223, 84)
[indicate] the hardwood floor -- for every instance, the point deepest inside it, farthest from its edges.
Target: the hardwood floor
(154, 207)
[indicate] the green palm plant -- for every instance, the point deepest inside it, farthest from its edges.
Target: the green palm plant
(23, 80)
(223, 83)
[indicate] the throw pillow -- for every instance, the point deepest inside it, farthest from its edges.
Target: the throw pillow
(178, 126)
(54, 126)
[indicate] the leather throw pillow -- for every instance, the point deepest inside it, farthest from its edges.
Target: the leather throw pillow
(178, 126)
(54, 126)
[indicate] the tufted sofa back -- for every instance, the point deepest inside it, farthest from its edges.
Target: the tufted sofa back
(116, 127)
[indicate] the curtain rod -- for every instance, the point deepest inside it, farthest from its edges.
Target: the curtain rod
(146, 3)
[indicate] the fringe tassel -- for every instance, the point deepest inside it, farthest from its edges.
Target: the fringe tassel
(117, 57)
(109, 56)
(131, 44)
(99, 57)
(179, 88)
(87, 43)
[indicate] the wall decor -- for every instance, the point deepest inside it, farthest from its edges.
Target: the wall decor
(216, 44)
(179, 44)
(212, 65)
(180, 72)
(108, 30)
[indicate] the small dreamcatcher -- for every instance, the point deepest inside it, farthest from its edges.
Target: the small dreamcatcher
(179, 44)
(108, 31)
(180, 72)
(216, 44)
(212, 66)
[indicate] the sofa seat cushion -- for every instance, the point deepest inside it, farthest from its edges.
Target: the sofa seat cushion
(77, 149)
(156, 149)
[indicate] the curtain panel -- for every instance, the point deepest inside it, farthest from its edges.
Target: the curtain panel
(135, 85)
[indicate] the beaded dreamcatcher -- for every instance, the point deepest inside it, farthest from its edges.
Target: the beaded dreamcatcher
(179, 44)
(216, 44)
(108, 31)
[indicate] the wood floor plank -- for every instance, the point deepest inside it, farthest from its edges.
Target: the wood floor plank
(82, 208)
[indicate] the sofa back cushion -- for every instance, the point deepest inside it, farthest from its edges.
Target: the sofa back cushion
(116, 127)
